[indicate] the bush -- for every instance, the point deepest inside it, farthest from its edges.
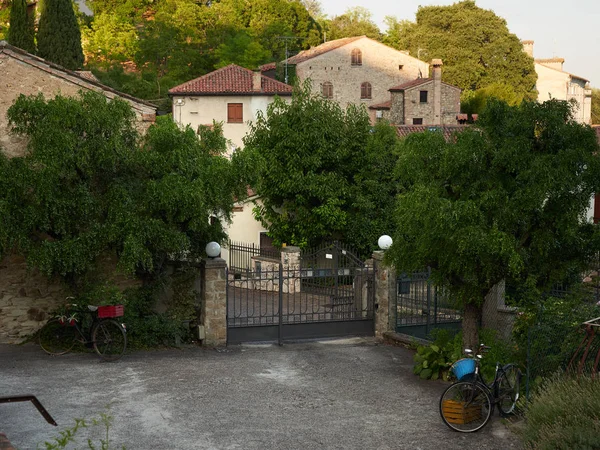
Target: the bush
(553, 332)
(433, 361)
(564, 414)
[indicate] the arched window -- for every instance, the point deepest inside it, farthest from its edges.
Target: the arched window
(327, 89)
(365, 90)
(356, 57)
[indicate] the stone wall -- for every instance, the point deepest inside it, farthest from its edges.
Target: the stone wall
(26, 299)
(382, 66)
(18, 77)
(411, 107)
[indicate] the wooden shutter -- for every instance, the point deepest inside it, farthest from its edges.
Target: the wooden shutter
(235, 112)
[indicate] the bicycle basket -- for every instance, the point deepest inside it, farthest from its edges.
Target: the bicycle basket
(110, 311)
(463, 367)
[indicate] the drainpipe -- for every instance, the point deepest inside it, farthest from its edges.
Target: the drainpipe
(437, 91)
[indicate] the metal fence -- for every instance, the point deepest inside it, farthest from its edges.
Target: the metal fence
(240, 255)
(422, 307)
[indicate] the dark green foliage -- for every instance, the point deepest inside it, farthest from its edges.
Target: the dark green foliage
(21, 31)
(324, 173)
(145, 327)
(475, 45)
(564, 415)
(552, 331)
(433, 361)
(58, 37)
(505, 200)
(88, 186)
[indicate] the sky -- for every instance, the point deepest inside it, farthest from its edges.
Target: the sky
(569, 30)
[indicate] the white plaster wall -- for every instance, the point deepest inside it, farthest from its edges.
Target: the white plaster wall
(244, 227)
(203, 110)
(379, 67)
(551, 83)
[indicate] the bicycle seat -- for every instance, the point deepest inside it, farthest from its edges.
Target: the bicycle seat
(92, 308)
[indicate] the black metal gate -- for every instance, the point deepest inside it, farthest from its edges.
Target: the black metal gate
(422, 307)
(328, 292)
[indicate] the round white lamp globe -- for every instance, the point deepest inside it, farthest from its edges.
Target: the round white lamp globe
(213, 249)
(384, 242)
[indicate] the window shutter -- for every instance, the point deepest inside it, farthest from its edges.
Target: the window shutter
(235, 112)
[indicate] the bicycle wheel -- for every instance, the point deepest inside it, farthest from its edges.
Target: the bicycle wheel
(55, 338)
(109, 339)
(466, 406)
(507, 389)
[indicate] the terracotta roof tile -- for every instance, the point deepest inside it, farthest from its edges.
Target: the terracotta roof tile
(269, 66)
(447, 130)
(231, 79)
(384, 105)
(411, 84)
(320, 49)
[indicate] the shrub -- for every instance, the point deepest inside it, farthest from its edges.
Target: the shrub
(564, 414)
(433, 361)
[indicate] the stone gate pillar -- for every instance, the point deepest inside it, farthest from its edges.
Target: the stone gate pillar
(213, 310)
(385, 296)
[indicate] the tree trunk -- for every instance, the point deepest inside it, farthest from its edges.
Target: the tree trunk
(470, 326)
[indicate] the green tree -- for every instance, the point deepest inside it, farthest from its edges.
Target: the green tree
(21, 31)
(243, 50)
(89, 186)
(505, 200)
(58, 37)
(356, 21)
(475, 44)
(324, 173)
(595, 106)
(474, 102)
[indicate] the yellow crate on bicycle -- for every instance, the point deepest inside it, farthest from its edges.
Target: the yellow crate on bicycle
(457, 412)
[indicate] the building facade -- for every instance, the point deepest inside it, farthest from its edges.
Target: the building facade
(424, 101)
(554, 83)
(231, 95)
(356, 70)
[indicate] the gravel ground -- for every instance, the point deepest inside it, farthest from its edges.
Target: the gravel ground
(338, 394)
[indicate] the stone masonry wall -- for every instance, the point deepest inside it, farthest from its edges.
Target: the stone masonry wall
(382, 66)
(17, 77)
(413, 108)
(26, 299)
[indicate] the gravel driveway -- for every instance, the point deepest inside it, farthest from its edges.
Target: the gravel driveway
(339, 394)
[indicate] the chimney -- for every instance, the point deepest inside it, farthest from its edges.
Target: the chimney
(528, 47)
(257, 81)
(437, 91)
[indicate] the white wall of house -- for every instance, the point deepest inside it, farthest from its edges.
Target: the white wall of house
(557, 84)
(202, 110)
(243, 227)
(382, 66)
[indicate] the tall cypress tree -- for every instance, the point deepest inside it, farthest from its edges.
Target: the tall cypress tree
(20, 32)
(59, 38)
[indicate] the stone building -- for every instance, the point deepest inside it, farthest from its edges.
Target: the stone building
(24, 73)
(355, 70)
(555, 83)
(424, 101)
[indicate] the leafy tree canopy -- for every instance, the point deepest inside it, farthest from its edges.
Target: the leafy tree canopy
(505, 200)
(474, 102)
(595, 106)
(324, 172)
(90, 185)
(356, 21)
(21, 31)
(475, 45)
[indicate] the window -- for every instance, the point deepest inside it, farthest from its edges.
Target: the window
(365, 90)
(418, 121)
(235, 112)
(327, 89)
(400, 66)
(378, 115)
(423, 96)
(356, 56)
